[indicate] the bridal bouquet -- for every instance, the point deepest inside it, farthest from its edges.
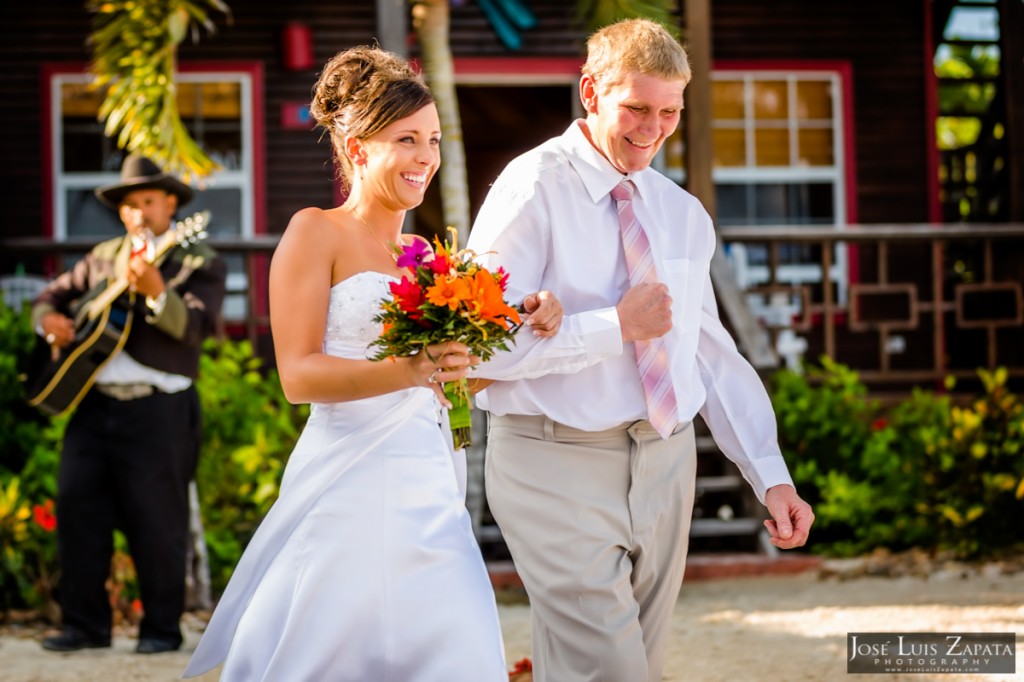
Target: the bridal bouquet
(446, 296)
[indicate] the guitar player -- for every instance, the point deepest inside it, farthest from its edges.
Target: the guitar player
(132, 444)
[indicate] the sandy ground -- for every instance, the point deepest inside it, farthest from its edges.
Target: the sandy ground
(773, 628)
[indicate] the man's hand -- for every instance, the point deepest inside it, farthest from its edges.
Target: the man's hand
(58, 329)
(145, 278)
(543, 313)
(791, 517)
(645, 312)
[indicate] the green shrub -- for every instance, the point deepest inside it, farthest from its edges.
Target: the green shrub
(825, 421)
(249, 429)
(964, 467)
(29, 447)
(926, 473)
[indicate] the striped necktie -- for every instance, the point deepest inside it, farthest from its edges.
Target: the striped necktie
(651, 355)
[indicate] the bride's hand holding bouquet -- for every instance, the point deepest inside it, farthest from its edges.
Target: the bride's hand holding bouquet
(447, 314)
(442, 363)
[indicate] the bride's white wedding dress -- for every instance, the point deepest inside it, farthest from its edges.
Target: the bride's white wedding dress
(366, 568)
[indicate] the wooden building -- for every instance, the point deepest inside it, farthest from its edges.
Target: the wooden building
(821, 115)
(822, 158)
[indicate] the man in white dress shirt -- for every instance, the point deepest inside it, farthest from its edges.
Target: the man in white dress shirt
(591, 460)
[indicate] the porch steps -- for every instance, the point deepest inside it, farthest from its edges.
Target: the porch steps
(727, 518)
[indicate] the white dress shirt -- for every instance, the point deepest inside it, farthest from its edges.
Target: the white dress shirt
(550, 221)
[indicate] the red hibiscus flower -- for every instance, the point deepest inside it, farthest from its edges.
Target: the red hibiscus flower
(408, 296)
(44, 516)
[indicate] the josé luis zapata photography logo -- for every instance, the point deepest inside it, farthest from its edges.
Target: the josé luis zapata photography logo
(931, 652)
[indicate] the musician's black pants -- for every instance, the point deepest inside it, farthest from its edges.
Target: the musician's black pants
(127, 464)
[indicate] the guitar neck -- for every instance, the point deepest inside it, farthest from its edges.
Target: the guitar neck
(106, 297)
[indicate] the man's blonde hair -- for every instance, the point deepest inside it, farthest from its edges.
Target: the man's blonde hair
(635, 45)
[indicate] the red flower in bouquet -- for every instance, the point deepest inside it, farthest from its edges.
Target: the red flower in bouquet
(446, 296)
(408, 297)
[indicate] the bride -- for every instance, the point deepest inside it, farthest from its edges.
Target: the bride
(366, 568)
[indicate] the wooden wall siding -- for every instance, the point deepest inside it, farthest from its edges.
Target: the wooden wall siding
(1012, 27)
(298, 163)
(298, 167)
(883, 46)
(555, 35)
(886, 50)
(30, 33)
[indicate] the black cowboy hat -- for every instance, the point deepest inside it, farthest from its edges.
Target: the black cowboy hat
(139, 172)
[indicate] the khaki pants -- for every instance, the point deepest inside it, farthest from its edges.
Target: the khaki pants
(598, 525)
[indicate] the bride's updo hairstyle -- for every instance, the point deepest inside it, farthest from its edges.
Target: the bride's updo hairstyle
(360, 92)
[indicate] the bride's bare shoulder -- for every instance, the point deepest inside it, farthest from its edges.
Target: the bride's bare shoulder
(312, 217)
(314, 223)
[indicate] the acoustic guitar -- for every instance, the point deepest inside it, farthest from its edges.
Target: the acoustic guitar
(57, 380)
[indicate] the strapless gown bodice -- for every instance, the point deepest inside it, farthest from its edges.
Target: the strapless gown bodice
(353, 304)
(366, 567)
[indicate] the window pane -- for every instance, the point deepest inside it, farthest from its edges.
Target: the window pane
(771, 205)
(771, 147)
(794, 203)
(212, 112)
(818, 202)
(210, 100)
(815, 147)
(730, 147)
(87, 217)
(675, 155)
(727, 100)
(225, 206)
(222, 142)
(770, 100)
(236, 303)
(732, 202)
(813, 99)
(972, 23)
(80, 100)
(85, 148)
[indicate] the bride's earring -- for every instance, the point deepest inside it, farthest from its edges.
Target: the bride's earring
(357, 156)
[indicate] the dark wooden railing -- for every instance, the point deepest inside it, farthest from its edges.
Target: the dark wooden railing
(917, 302)
(922, 302)
(247, 285)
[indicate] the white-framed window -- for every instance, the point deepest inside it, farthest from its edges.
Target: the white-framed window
(216, 105)
(779, 160)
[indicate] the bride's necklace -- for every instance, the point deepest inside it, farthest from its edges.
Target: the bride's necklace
(373, 235)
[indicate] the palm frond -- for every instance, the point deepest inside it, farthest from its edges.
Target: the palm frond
(595, 14)
(134, 55)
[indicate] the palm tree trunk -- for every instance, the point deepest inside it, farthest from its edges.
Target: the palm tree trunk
(430, 20)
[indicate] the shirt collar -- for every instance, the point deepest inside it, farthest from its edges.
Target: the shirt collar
(599, 176)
